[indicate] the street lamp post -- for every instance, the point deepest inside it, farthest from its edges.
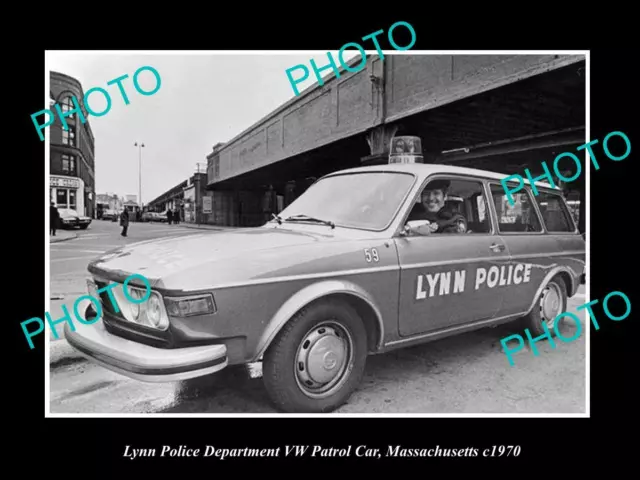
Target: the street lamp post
(140, 147)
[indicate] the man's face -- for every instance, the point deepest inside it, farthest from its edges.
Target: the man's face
(433, 200)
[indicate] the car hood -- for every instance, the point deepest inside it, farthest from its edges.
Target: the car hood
(161, 258)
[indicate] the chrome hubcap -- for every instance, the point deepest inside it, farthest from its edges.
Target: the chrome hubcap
(550, 304)
(324, 359)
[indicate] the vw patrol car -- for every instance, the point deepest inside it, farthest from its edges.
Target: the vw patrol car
(346, 271)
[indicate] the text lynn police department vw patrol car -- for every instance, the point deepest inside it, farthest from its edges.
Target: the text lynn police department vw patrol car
(367, 260)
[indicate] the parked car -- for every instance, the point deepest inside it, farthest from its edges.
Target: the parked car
(110, 215)
(71, 219)
(154, 217)
(342, 273)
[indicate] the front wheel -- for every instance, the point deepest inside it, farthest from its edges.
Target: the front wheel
(317, 360)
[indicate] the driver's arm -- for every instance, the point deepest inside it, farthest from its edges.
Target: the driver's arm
(456, 224)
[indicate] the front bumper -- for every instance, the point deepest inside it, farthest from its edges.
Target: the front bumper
(144, 362)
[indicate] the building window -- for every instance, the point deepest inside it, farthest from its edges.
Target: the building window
(66, 106)
(216, 168)
(69, 165)
(69, 136)
(61, 198)
(66, 198)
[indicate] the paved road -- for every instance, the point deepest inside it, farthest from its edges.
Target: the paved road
(464, 374)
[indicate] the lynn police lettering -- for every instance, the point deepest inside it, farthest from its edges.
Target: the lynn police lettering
(444, 283)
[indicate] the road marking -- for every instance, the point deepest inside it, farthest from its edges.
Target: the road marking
(99, 245)
(87, 251)
(71, 258)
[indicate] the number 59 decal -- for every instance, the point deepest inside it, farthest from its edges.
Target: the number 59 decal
(371, 254)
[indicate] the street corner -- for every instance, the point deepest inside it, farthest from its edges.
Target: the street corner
(62, 236)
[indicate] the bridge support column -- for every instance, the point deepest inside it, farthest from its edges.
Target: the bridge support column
(379, 140)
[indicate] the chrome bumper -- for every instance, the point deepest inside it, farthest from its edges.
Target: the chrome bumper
(143, 362)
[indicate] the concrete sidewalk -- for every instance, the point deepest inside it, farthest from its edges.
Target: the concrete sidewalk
(62, 235)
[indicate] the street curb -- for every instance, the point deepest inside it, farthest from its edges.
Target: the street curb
(58, 240)
(218, 228)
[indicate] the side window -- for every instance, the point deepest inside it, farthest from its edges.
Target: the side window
(519, 217)
(454, 205)
(555, 214)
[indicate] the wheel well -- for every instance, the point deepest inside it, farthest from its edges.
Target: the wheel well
(364, 311)
(566, 278)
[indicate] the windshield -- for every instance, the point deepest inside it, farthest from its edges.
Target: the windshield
(359, 200)
(67, 211)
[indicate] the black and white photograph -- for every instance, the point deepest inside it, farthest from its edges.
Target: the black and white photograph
(307, 233)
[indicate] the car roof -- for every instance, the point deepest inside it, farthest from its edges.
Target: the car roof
(425, 169)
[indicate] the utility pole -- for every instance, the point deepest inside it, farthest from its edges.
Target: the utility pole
(139, 173)
(198, 186)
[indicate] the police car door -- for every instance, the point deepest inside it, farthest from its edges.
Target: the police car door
(534, 252)
(450, 279)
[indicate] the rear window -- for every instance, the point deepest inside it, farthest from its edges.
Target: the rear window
(555, 213)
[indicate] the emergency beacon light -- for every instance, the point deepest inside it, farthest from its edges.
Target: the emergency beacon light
(406, 149)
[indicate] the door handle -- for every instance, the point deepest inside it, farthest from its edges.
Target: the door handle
(497, 247)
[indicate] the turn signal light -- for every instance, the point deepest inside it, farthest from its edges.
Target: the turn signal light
(189, 306)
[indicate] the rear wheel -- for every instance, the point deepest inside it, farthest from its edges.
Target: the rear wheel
(317, 359)
(551, 303)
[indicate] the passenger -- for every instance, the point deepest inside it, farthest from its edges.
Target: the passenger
(432, 208)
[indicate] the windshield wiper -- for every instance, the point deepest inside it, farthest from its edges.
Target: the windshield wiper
(277, 218)
(306, 218)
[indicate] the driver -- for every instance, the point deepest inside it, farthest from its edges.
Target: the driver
(432, 208)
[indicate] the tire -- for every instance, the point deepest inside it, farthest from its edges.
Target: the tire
(286, 366)
(554, 296)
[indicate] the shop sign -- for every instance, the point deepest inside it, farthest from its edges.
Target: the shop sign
(207, 206)
(64, 182)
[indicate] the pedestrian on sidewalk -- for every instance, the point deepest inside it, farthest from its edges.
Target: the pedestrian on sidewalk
(54, 219)
(169, 216)
(124, 222)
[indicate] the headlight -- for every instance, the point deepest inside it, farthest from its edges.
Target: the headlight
(189, 306)
(148, 312)
(154, 313)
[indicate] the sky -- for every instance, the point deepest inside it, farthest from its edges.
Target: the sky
(203, 99)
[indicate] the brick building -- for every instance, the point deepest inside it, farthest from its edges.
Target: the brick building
(72, 165)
